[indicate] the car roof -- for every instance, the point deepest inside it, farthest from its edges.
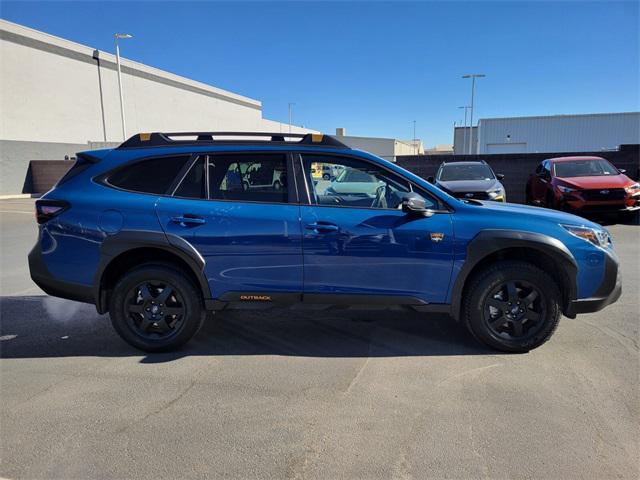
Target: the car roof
(574, 158)
(466, 162)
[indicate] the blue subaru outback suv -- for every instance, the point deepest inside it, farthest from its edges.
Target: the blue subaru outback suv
(168, 226)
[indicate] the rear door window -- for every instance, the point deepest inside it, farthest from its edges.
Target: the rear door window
(248, 177)
(154, 175)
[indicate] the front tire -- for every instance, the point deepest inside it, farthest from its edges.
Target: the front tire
(156, 308)
(512, 306)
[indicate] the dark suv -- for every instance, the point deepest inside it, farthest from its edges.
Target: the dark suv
(470, 180)
(161, 230)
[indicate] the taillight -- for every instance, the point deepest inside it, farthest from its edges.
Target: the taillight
(47, 209)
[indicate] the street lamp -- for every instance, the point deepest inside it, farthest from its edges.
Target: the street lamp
(118, 36)
(291, 104)
(415, 143)
(464, 129)
(473, 77)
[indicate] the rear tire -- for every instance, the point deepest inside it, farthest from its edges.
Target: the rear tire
(156, 308)
(512, 306)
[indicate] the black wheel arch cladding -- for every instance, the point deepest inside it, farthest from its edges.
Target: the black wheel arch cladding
(490, 242)
(127, 240)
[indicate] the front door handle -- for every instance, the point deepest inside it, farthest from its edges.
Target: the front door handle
(322, 227)
(188, 220)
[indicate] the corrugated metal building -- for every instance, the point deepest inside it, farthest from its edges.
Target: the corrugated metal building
(461, 137)
(558, 133)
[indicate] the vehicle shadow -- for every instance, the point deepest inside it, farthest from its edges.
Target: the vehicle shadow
(42, 326)
(607, 220)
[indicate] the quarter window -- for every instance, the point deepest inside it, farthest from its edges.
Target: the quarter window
(154, 175)
(252, 178)
(347, 182)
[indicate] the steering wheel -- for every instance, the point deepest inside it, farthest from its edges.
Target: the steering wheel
(381, 197)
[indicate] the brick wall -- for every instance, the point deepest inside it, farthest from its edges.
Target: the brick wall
(517, 167)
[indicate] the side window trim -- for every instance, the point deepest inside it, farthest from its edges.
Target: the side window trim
(183, 174)
(298, 167)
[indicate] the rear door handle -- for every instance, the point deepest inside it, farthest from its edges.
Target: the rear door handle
(188, 220)
(322, 227)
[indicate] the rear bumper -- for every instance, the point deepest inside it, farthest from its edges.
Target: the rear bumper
(609, 291)
(55, 287)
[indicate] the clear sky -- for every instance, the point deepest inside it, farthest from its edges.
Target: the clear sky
(373, 68)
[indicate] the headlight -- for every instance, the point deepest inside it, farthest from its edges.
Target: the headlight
(598, 237)
(566, 189)
(632, 188)
(496, 193)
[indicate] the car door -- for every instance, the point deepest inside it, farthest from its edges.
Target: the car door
(360, 242)
(539, 183)
(250, 239)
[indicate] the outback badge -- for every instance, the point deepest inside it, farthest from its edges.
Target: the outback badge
(437, 236)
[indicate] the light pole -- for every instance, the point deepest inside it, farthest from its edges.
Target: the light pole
(473, 77)
(415, 143)
(464, 129)
(118, 36)
(291, 104)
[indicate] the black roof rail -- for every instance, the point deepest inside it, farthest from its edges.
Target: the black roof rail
(164, 139)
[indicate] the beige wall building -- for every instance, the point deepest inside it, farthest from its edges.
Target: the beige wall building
(387, 148)
(57, 97)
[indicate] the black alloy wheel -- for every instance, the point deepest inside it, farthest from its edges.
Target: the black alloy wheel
(155, 309)
(514, 310)
(512, 306)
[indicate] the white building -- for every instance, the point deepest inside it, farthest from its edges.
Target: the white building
(387, 148)
(58, 97)
(557, 133)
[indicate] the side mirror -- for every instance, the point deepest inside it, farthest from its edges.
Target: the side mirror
(414, 204)
(622, 170)
(500, 176)
(431, 180)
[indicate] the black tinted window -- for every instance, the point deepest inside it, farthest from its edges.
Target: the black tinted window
(149, 176)
(193, 186)
(248, 177)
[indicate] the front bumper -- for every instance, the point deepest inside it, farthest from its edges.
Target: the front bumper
(574, 202)
(609, 291)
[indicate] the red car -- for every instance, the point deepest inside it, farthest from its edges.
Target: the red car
(582, 185)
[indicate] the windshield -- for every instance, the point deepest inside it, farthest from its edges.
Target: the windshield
(354, 175)
(453, 172)
(584, 168)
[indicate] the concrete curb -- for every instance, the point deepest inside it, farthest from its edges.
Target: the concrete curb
(20, 195)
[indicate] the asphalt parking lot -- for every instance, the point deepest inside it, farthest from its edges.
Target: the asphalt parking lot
(290, 394)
